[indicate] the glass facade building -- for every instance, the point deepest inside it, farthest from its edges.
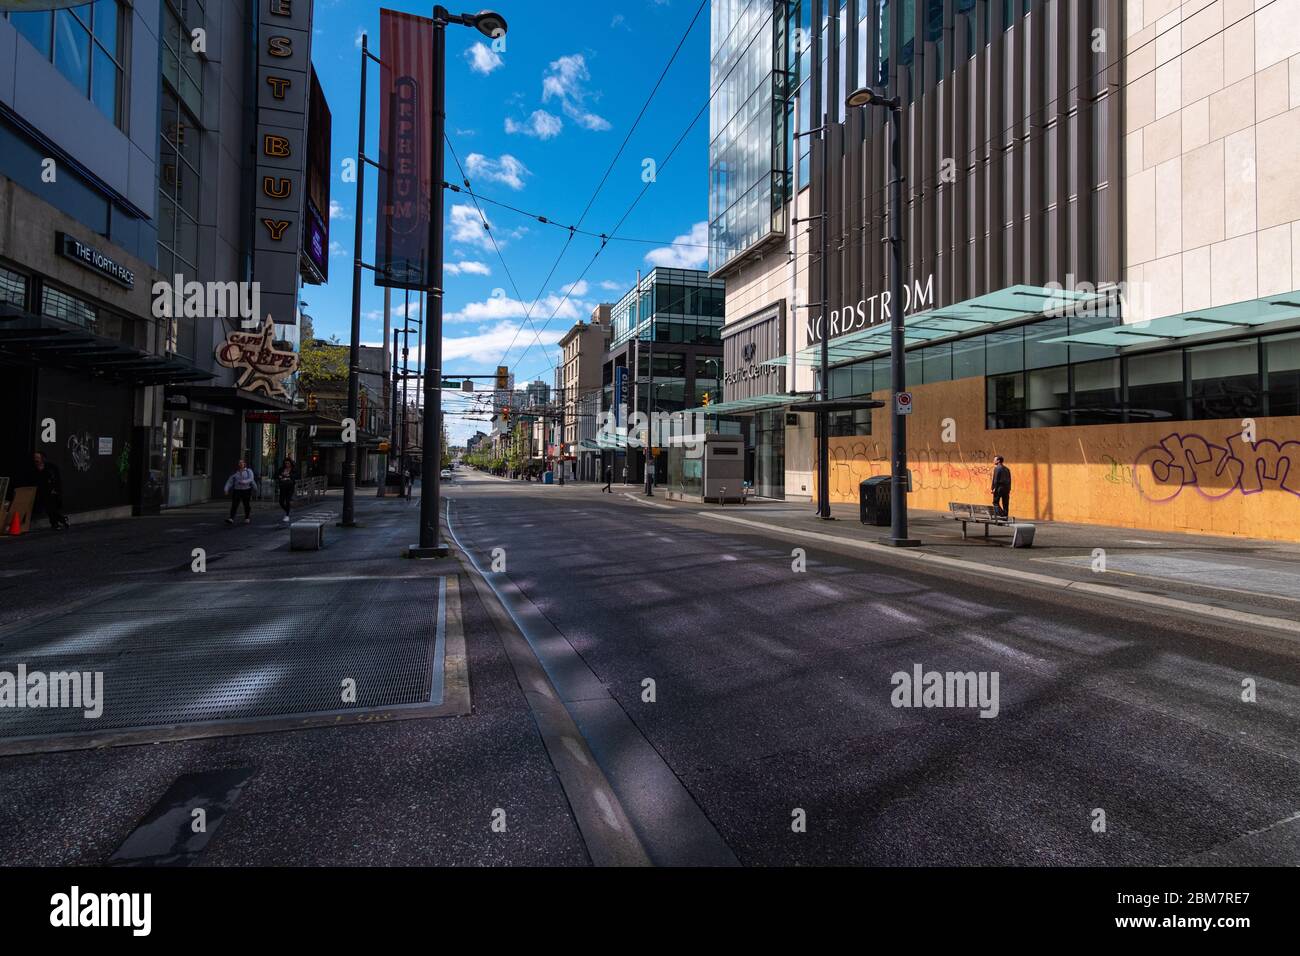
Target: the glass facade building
(749, 146)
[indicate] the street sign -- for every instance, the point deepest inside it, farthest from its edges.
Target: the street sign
(903, 403)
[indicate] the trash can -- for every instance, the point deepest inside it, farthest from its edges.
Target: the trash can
(548, 477)
(873, 501)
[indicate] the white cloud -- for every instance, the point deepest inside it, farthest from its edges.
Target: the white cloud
(578, 288)
(498, 307)
(506, 170)
(540, 124)
(337, 211)
(609, 285)
(467, 227)
(467, 268)
(565, 80)
(690, 251)
(398, 305)
(482, 59)
(337, 248)
(618, 21)
(356, 40)
(484, 347)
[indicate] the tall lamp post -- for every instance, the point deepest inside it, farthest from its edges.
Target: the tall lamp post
(864, 97)
(491, 25)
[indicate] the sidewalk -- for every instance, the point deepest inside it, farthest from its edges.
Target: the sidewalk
(267, 636)
(1246, 576)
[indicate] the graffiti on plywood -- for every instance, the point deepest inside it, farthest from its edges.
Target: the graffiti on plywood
(1216, 469)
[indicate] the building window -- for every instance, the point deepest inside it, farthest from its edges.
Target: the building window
(1156, 389)
(1097, 394)
(13, 288)
(178, 204)
(1006, 400)
(1282, 370)
(86, 44)
(68, 308)
(1224, 380)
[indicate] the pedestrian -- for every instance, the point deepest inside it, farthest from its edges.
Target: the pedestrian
(286, 483)
(1001, 488)
(49, 491)
(240, 486)
(609, 479)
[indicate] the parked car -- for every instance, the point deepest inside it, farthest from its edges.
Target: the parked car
(446, 474)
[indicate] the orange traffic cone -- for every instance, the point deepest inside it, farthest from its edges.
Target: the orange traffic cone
(16, 526)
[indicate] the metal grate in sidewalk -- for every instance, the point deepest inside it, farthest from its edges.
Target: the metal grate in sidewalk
(202, 650)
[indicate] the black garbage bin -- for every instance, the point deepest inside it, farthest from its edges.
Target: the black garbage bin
(873, 501)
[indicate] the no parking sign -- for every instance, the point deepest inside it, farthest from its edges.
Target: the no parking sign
(903, 403)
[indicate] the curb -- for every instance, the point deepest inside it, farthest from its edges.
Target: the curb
(1046, 580)
(606, 830)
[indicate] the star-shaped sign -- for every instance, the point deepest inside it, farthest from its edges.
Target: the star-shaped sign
(262, 367)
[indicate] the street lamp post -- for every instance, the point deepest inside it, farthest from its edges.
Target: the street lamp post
(491, 25)
(898, 423)
(348, 518)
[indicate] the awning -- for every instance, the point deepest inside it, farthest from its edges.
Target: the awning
(755, 403)
(1221, 318)
(1012, 304)
(228, 396)
(43, 340)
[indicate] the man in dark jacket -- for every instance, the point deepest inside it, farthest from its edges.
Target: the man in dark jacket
(49, 490)
(1001, 487)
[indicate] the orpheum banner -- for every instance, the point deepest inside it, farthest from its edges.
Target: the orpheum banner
(402, 250)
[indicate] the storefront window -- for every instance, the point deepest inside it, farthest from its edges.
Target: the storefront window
(1097, 394)
(1282, 355)
(1225, 380)
(1155, 387)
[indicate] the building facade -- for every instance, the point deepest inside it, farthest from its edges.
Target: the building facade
(1100, 230)
(240, 117)
(582, 353)
(665, 352)
(83, 357)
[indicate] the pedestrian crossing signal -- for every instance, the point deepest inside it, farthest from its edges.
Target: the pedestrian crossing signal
(706, 399)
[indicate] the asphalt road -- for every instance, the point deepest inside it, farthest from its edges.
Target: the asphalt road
(772, 695)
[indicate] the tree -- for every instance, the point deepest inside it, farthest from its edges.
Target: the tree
(321, 365)
(446, 448)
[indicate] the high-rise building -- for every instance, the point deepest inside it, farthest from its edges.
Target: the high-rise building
(1100, 223)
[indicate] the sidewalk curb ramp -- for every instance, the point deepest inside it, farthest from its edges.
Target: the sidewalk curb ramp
(927, 558)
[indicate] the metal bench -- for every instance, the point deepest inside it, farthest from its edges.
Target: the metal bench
(1022, 534)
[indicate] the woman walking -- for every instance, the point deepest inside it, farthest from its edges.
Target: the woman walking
(285, 481)
(240, 487)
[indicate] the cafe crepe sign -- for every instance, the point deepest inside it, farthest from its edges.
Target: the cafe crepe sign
(262, 367)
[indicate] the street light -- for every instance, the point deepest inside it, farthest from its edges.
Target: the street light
(490, 24)
(866, 96)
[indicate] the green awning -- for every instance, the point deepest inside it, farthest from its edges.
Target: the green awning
(756, 403)
(1221, 318)
(1012, 304)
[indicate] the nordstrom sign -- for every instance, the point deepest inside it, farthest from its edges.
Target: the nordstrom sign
(873, 310)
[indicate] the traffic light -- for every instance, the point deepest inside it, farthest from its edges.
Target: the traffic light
(705, 399)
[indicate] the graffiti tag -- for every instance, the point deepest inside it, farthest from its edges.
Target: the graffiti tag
(1215, 471)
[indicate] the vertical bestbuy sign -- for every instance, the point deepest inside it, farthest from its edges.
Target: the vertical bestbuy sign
(283, 85)
(403, 252)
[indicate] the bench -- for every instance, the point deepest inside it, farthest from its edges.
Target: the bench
(1022, 534)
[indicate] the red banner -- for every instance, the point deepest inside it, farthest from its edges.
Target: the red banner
(402, 250)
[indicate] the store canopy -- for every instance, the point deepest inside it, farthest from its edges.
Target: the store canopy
(1237, 316)
(42, 340)
(744, 406)
(1012, 304)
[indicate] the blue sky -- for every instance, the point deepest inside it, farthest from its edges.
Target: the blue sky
(536, 126)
